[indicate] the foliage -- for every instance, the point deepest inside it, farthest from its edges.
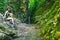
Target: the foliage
(3, 5)
(47, 16)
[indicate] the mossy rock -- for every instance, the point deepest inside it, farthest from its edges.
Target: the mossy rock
(2, 35)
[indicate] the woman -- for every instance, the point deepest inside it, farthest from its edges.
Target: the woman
(9, 16)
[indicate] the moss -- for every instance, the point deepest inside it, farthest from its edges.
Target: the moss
(2, 28)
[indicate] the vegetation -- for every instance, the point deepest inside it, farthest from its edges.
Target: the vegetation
(44, 13)
(47, 16)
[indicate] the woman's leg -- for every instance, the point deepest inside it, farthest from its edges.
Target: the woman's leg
(11, 20)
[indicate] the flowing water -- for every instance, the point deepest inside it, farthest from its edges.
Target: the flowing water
(25, 31)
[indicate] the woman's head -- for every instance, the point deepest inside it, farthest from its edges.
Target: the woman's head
(9, 10)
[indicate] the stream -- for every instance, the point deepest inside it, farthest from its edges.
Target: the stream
(27, 32)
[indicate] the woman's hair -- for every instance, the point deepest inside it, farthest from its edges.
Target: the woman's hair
(9, 10)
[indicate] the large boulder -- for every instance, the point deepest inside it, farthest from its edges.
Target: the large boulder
(7, 29)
